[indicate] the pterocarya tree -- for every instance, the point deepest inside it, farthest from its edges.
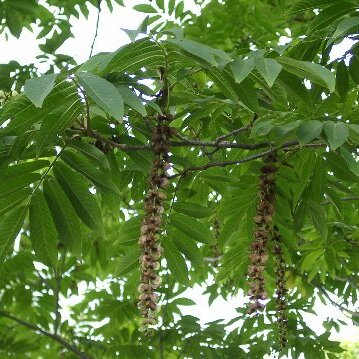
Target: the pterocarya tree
(203, 152)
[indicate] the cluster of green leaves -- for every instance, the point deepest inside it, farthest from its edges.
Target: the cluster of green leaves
(75, 156)
(51, 21)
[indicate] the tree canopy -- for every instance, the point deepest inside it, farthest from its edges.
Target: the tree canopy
(206, 151)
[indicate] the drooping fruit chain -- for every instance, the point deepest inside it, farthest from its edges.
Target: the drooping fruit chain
(258, 255)
(281, 290)
(151, 225)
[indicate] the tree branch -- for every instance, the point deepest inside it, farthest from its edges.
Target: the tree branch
(285, 146)
(55, 337)
(333, 302)
(348, 280)
(193, 143)
(222, 144)
(221, 163)
(327, 296)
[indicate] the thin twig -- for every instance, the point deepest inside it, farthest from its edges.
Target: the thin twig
(46, 173)
(344, 199)
(55, 337)
(233, 133)
(350, 241)
(87, 105)
(121, 146)
(97, 24)
(204, 149)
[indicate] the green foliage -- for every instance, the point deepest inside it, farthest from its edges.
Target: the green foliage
(75, 151)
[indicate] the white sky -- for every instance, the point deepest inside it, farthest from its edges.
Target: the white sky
(110, 37)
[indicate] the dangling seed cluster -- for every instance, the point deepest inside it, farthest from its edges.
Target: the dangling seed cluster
(281, 290)
(151, 225)
(263, 219)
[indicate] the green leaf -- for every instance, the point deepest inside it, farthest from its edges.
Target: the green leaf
(14, 200)
(315, 190)
(337, 133)
(129, 230)
(160, 4)
(227, 86)
(24, 114)
(299, 216)
(141, 29)
(17, 183)
(192, 228)
(319, 218)
(23, 168)
(309, 130)
(142, 162)
(65, 218)
(132, 100)
(192, 209)
(176, 262)
(77, 190)
(104, 93)
(179, 9)
(340, 167)
(10, 226)
(184, 301)
(235, 259)
(349, 158)
(304, 5)
(215, 57)
(56, 123)
(309, 70)
(354, 68)
(335, 200)
(36, 89)
(91, 152)
(186, 245)
(13, 22)
(329, 15)
(146, 8)
(86, 168)
(342, 80)
(262, 128)
(345, 25)
(269, 69)
(171, 6)
(310, 260)
(128, 262)
(242, 68)
(43, 233)
(134, 56)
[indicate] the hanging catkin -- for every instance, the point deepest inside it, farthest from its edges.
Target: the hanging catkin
(281, 290)
(262, 232)
(151, 250)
